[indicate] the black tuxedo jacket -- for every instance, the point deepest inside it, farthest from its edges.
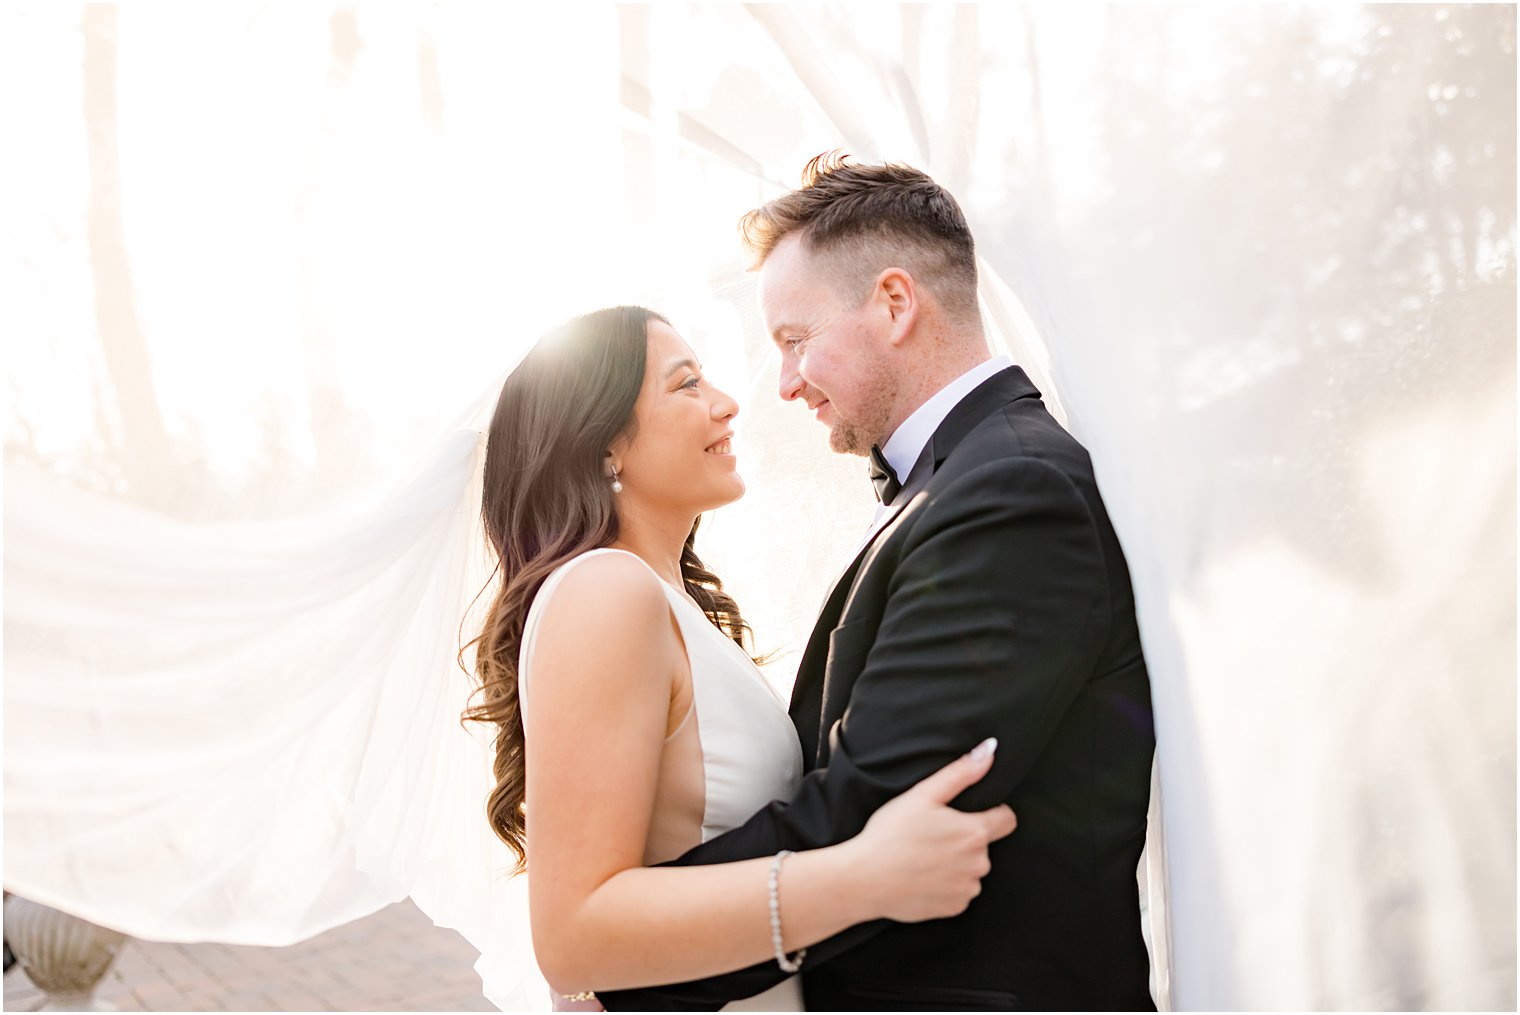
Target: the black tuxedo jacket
(994, 602)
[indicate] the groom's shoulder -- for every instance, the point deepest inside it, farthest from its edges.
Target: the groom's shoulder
(1022, 432)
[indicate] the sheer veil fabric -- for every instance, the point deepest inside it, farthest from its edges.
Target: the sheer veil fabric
(266, 266)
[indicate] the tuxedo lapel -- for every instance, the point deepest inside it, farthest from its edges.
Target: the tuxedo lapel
(807, 700)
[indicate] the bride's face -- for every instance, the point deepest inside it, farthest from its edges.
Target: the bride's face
(681, 455)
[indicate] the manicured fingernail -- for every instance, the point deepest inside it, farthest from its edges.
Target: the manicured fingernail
(984, 750)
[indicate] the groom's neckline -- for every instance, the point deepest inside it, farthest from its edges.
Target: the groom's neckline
(908, 441)
(998, 390)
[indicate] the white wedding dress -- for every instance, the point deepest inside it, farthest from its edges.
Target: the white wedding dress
(735, 751)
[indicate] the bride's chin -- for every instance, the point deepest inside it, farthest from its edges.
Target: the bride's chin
(735, 491)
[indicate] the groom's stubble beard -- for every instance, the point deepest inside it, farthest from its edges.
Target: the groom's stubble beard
(871, 424)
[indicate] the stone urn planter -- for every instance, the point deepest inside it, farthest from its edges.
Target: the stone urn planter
(66, 957)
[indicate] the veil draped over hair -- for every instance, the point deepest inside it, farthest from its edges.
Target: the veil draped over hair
(268, 264)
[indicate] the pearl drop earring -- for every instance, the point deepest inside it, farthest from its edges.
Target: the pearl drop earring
(617, 486)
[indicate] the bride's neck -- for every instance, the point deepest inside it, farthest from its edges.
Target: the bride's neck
(658, 539)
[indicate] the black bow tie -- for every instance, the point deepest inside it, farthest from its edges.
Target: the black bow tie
(882, 476)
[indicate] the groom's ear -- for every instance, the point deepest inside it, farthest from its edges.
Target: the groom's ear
(897, 297)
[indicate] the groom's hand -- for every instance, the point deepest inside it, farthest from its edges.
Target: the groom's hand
(920, 858)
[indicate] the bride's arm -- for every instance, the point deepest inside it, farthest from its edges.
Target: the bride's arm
(604, 659)
(603, 663)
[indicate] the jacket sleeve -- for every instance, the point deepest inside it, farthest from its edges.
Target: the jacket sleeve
(995, 603)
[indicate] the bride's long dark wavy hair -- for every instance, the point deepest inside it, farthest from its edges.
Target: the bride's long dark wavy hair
(545, 500)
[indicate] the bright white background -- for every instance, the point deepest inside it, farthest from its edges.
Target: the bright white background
(261, 258)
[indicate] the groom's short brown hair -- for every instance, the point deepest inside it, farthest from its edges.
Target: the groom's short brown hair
(865, 218)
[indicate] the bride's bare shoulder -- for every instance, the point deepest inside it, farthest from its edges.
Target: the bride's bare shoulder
(609, 591)
(609, 571)
(602, 640)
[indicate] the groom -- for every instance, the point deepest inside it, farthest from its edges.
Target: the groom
(990, 598)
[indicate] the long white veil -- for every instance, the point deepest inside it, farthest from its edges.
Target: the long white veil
(266, 264)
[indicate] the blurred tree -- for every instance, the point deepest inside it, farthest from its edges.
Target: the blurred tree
(142, 441)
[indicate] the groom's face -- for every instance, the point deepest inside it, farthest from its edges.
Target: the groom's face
(832, 346)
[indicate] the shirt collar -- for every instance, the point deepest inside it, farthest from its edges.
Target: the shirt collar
(907, 441)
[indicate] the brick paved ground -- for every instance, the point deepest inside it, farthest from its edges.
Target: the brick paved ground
(394, 960)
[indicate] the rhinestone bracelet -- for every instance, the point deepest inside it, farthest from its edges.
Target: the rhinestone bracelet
(787, 965)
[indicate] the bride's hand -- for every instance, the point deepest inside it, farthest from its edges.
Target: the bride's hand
(927, 857)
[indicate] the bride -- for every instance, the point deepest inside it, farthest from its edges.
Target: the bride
(629, 723)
